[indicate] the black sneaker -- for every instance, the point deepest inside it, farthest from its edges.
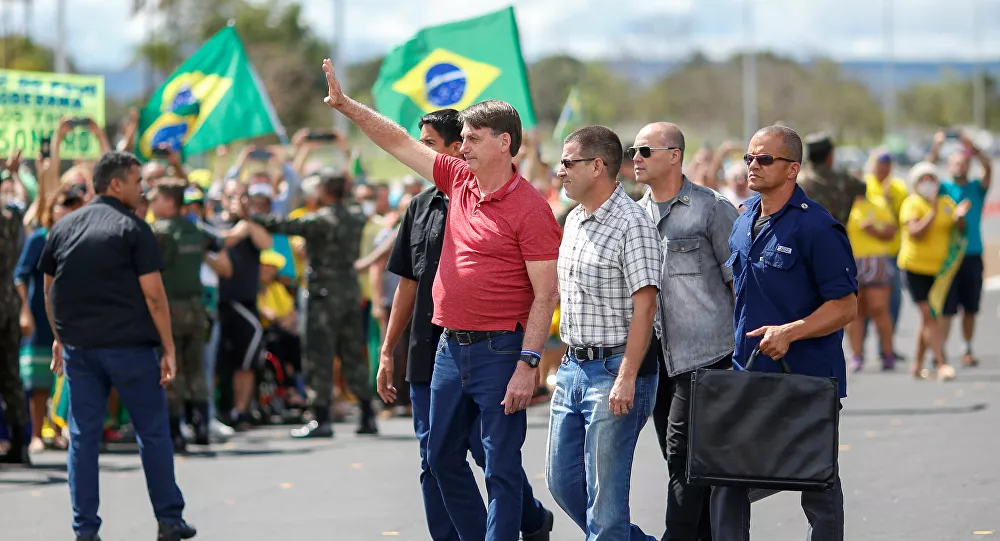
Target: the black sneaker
(543, 533)
(175, 531)
(313, 429)
(94, 537)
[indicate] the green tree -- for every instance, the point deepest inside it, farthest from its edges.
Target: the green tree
(19, 52)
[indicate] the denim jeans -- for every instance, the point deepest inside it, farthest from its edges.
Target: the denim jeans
(469, 382)
(438, 521)
(135, 373)
(590, 448)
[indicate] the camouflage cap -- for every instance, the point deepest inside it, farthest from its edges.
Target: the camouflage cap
(818, 142)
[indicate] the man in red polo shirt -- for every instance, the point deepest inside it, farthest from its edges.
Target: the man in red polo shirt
(494, 295)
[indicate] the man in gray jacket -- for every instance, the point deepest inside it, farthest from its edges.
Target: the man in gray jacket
(695, 324)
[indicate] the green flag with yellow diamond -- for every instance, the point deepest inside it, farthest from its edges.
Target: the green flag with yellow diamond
(454, 66)
(213, 98)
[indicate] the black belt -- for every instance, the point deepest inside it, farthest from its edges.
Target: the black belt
(595, 353)
(467, 338)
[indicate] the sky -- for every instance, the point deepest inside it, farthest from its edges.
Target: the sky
(102, 36)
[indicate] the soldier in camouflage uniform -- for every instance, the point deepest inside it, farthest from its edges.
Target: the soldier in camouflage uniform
(834, 190)
(184, 246)
(11, 388)
(334, 318)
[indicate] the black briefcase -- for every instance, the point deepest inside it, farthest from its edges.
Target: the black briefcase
(763, 430)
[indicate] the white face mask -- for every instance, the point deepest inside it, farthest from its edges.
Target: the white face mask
(927, 189)
(368, 207)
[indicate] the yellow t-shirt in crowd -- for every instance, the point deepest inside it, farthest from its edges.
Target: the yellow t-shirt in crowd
(897, 191)
(274, 298)
(926, 255)
(863, 243)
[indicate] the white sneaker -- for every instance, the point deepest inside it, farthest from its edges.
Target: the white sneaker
(218, 432)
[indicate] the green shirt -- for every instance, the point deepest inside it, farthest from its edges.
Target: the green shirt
(183, 245)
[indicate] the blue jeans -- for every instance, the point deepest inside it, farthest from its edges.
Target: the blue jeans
(135, 373)
(469, 382)
(591, 448)
(438, 521)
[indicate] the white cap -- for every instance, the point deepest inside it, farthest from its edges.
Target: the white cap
(260, 190)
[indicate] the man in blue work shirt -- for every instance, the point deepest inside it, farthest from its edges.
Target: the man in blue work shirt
(796, 288)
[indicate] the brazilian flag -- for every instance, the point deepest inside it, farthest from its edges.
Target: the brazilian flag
(944, 278)
(454, 66)
(213, 98)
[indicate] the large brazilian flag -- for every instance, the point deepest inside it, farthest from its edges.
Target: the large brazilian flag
(454, 66)
(213, 98)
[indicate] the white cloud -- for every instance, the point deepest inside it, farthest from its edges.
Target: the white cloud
(102, 36)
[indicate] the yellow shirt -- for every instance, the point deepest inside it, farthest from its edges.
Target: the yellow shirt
(864, 244)
(926, 255)
(274, 298)
(897, 191)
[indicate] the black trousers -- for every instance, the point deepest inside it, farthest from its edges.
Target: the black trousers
(688, 514)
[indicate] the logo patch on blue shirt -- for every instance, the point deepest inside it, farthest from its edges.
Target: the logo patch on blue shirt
(784, 249)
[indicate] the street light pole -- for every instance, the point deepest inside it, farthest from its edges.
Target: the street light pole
(62, 65)
(888, 75)
(979, 76)
(750, 122)
(339, 62)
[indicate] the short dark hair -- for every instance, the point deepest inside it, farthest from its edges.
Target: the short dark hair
(790, 141)
(499, 117)
(335, 184)
(172, 189)
(599, 142)
(447, 122)
(113, 164)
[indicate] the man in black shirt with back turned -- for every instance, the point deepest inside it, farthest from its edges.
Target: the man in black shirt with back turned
(108, 309)
(241, 331)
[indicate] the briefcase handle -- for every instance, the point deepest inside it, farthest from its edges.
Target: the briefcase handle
(753, 358)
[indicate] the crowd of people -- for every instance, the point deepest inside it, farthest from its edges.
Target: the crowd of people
(178, 306)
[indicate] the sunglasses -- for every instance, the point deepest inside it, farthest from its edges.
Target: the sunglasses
(566, 163)
(764, 159)
(645, 151)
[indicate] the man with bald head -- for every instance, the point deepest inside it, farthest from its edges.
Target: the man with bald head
(796, 288)
(696, 306)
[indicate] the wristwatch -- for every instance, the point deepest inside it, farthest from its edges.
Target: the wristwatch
(531, 360)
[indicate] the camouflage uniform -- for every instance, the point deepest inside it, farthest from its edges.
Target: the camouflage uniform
(11, 388)
(334, 319)
(183, 245)
(834, 190)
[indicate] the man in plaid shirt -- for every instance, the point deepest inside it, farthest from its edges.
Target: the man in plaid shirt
(609, 274)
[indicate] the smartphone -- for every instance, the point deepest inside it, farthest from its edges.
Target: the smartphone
(952, 134)
(80, 121)
(161, 151)
(321, 136)
(260, 154)
(45, 147)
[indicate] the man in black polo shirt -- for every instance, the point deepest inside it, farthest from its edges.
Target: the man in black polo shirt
(241, 331)
(414, 258)
(108, 310)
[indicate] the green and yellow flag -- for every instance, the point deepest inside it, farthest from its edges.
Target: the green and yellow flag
(944, 278)
(215, 97)
(571, 116)
(454, 66)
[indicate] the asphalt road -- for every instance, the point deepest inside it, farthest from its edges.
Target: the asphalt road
(918, 462)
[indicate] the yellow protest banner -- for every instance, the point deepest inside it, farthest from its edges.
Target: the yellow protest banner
(33, 102)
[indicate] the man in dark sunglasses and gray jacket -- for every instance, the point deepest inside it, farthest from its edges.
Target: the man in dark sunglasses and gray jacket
(695, 326)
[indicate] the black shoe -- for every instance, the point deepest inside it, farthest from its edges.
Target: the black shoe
(94, 537)
(367, 427)
(313, 429)
(180, 444)
(543, 533)
(175, 532)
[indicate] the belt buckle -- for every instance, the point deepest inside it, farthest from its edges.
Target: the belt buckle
(463, 338)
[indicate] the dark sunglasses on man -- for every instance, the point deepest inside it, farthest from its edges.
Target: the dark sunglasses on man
(645, 151)
(764, 159)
